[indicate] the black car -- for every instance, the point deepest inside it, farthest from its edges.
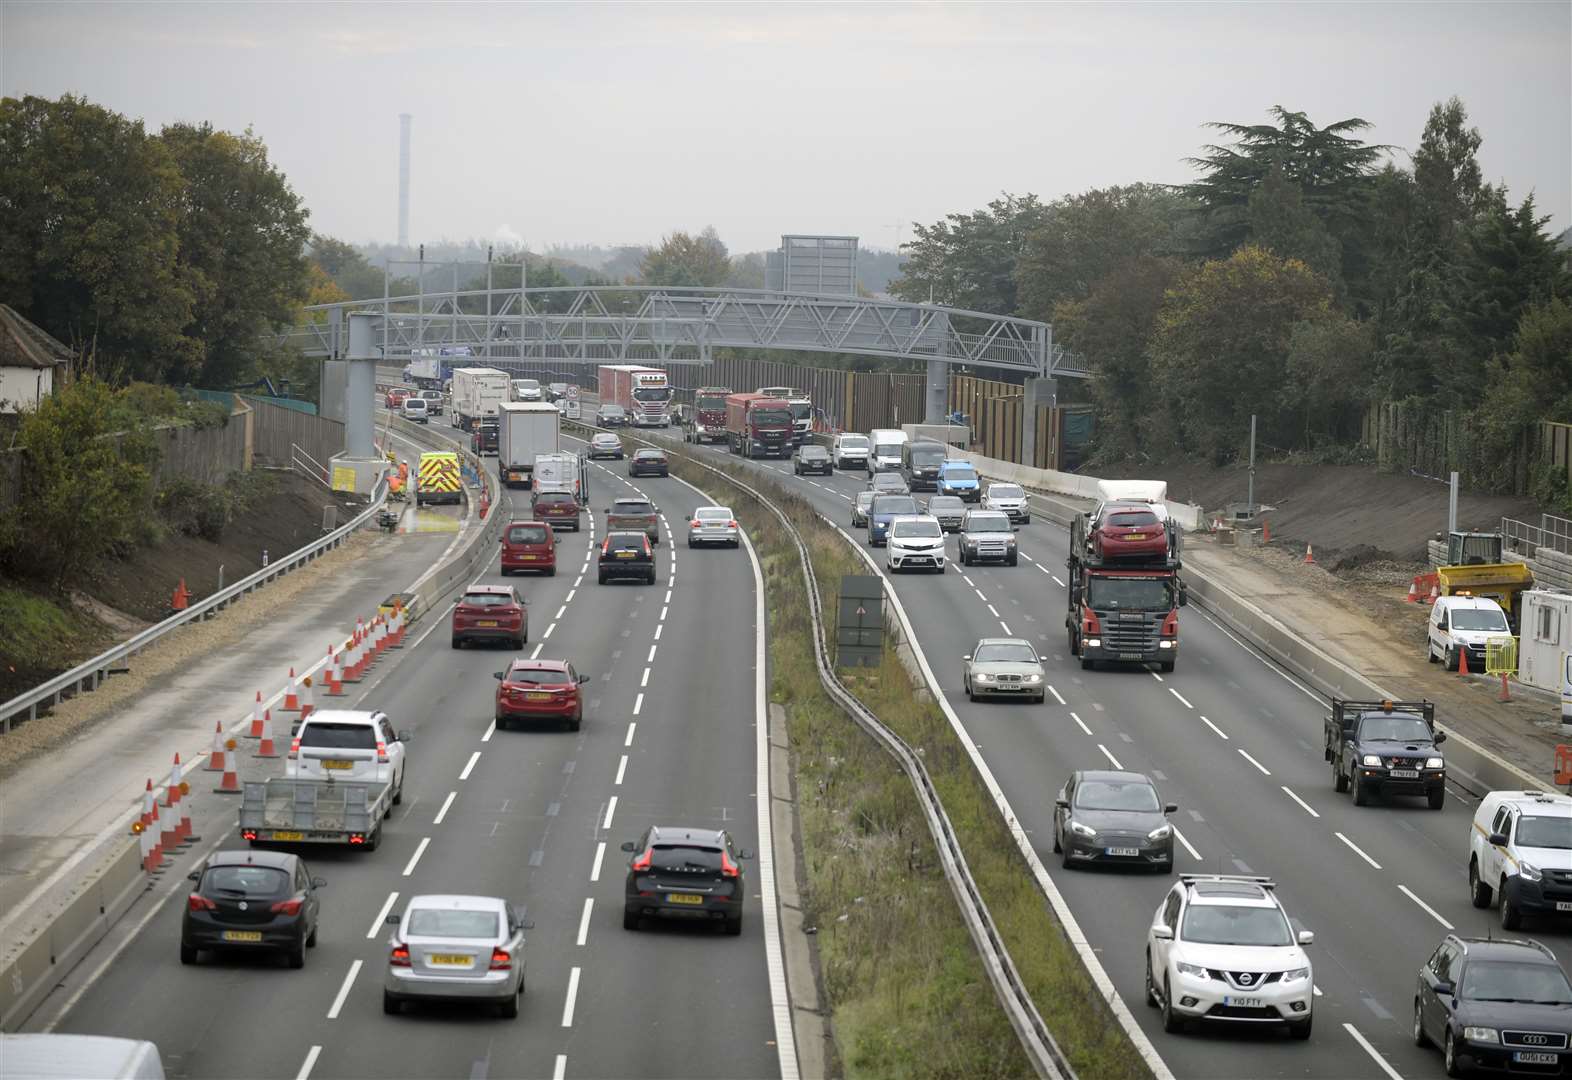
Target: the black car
(810, 458)
(678, 873)
(1112, 818)
(612, 416)
(627, 555)
(1502, 1004)
(251, 900)
(484, 440)
(649, 463)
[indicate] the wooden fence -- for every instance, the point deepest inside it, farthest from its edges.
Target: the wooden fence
(1435, 442)
(278, 428)
(997, 413)
(1553, 447)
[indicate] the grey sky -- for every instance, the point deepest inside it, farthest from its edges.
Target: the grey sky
(560, 123)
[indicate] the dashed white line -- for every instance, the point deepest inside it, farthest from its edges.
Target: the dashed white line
(1180, 696)
(980, 596)
(650, 659)
(1357, 850)
(1379, 1060)
(1245, 754)
(491, 729)
(1081, 722)
(1194, 854)
(645, 680)
(1109, 755)
(663, 611)
(573, 993)
(658, 628)
(420, 849)
(968, 581)
(559, 1071)
(311, 1060)
(1006, 628)
(560, 611)
(381, 920)
(1154, 675)
(611, 809)
(993, 611)
(600, 854)
(343, 991)
(632, 727)
(668, 597)
(622, 768)
(638, 704)
(1055, 577)
(1306, 807)
(469, 765)
(444, 811)
(1434, 914)
(1221, 733)
(1059, 699)
(549, 629)
(579, 579)
(589, 903)
(538, 646)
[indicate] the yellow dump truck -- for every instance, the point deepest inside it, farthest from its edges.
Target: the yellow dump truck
(1476, 569)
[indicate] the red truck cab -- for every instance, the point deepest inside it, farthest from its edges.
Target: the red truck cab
(758, 425)
(1124, 589)
(707, 421)
(529, 545)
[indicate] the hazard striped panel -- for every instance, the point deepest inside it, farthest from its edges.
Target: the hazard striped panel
(439, 477)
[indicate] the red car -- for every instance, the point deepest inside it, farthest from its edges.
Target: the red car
(559, 508)
(540, 690)
(490, 613)
(1129, 531)
(395, 397)
(529, 545)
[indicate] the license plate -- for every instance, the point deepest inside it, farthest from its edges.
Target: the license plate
(487, 622)
(287, 835)
(1130, 656)
(242, 935)
(1243, 1002)
(537, 697)
(1534, 1057)
(1122, 851)
(337, 763)
(683, 898)
(1564, 905)
(1405, 774)
(449, 960)
(624, 554)
(1135, 536)
(530, 558)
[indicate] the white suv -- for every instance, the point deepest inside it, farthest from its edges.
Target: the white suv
(1010, 500)
(1520, 853)
(1221, 948)
(345, 744)
(915, 542)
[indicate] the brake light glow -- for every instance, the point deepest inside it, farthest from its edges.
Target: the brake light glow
(248, 834)
(399, 957)
(198, 902)
(731, 524)
(642, 863)
(695, 523)
(287, 907)
(729, 868)
(501, 960)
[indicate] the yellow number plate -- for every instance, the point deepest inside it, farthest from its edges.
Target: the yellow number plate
(242, 935)
(449, 960)
(287, 835)
(1135, 536)
(337, 763)
(487, 622)
(531, 558)
(624, 554)
(537, 697)
(683, 898)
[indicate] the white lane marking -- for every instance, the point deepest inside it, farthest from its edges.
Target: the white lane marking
(382, 916)
(645, 679)
(580, 578)
(1379, 1060)
(1306, 807)
(663, 611)
(491, 729)
(632, 727)
(343, 991)
(560, 610)
(668, 597)
(638, 704)
(611, 809)
(600, 853)
(444, 811)
(589, 904)
(1434, 914)
(1214, 727)
(622, 768)
(650, 659)
(1180, 696)
(1356, 850)
(1078, 720)
(1007, 631)
(968, 581)
(569, 599)
(1056, 580)
(1154, 675)
(549, 629)
(1109, 755)
(1194, 854)
(658, 628)
(539, 645)
(1316, 989)
(993, 611)
(1245, 754)
(420, 849)
(559, 1071)
(310, 1062)
(469, 765)
(1027, 557)
(1056, 696)
(980, 596)
(573, 993)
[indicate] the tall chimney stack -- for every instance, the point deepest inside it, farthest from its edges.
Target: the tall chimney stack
(404, 120)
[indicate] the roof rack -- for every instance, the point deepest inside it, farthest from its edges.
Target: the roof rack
(1250, 879)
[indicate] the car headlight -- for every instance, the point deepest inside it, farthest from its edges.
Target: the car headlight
(1082, 830)
(1295, 974)
(1370, 759)
(1195, 971)
(983, 676)
(1481, 1034)
(1434, 763)
(1162, 832)
(1529, 872)
(1034, 679)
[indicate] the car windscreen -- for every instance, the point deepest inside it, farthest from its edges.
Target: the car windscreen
(801, 410)
(527, 534)
(1132, 519)
(865, 499)
(1544, 832)
(960, 472)
(339, 736)
(1478, 619)
(650, 455)
(854, 442)
(550, 497)
(945, 502)
(985, 523)
(926, 457)
(414, 404)
(816, 453)
(1528, 984)
(770, 417)
(1004, 654)
(1116, 795)
(1394, 728)
(611, 410)
(685, 857)
(538, 676)
(710, 404)
(887, 449)
(1006, 491)
(432, 922)
(246, 881)
(606, 440)
(626, 541)
(631, 508)
(1216, 924)
(908, 530)
(486, 600)
(894, 504)
(1129, 594)
(713, 513)
(652, 393)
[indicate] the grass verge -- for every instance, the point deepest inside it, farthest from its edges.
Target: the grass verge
(38, 636)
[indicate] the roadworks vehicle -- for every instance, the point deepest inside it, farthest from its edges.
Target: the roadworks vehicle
(1387, 748)
(439, 479)
(1520, 854)
(1124, 607)
(1475, 567)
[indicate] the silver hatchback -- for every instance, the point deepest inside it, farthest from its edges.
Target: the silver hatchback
(714, 525)
(456, 948)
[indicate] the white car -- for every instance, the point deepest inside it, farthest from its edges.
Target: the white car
(914, 542)
(1520, 854)
(415, 409)
(850, 450)
(1221, 948)
(1010, 500)
(714, 525)
(456, 948)
(346, 744)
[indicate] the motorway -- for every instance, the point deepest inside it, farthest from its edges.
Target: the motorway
(670, 736)
(1237, 744)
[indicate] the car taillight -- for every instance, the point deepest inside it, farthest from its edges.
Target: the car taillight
(646, 545)
(729, 868)
(731, 524)
(382, 753)
(294, 747)
(1090, 626)
(1171, 624)
(399, 957)
(501, 960)
(695, 523)
(642, 863)
(198, 902)
(286, 907)
(605, 545)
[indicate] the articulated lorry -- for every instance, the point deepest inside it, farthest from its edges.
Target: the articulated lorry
(431, 368)
(643, 393)
(477, 392)
(758, 426)
(1124, 587)
(525, 429)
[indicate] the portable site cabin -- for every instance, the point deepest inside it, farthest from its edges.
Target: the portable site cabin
(1544, 657)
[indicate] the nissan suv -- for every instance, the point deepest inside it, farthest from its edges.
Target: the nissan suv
(1502, 1004)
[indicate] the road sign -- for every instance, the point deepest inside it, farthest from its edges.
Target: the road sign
(859, 637)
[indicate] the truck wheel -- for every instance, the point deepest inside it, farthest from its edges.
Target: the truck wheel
(1166, 665)
(1339, 781)
(1361, 791)
(375, 839)
(1437, 797)
(1479, 894)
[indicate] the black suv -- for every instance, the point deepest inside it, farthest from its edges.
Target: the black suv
(811, 457)
(252, 900)
(627, 555)
(678, 873)
(1502, 1004)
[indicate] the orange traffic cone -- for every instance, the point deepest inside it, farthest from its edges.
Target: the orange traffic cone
(1505, 695)
(1435, 593)
(181, 598)
(230, 783)
(215, 757)
(1413, 591)
(1309, 556)
(331, 686)
(291, 694)
(168, 837)
(172, 793)
(1266, 531)
(1462, 661)
(266, 748)
(255, 730)
(150, 817)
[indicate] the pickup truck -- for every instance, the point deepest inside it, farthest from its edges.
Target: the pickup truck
(1386, 747)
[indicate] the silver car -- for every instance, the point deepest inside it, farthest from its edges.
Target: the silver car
(987, 536)
(605, 445)
(860, 508)
(714, 525)
(947, 510)
(1005, 667)
(456, 948)
(1010, 500)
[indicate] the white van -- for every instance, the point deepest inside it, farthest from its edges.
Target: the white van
(885, 455)
(71, 1057)
(1154, 492)
(1465, 622)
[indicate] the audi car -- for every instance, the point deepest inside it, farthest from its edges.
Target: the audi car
(1500, 1004)
(714, 525)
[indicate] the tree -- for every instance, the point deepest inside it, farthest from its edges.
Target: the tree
(1530, 383)
(1327, 373)
(969, 260)
(90, 247)
(242, 236)
(684, 260)
(347, 266)
(1281, 223)
(1511, 264)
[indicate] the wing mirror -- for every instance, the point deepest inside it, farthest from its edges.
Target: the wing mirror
(1443, 987)
(318, 882)
(195, 875)
(392, 919)
(627, 845)
(968, 656)
(1307, 937)
(1498, 839)
(744, 853)
(1170, 807)
(583, 679)
(1184, 597)
(1162, 933)
(1440, 738)
(1062, 804)
(499, 674)
(405, 736)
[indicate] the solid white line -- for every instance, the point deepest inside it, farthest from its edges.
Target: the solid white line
(611, 808)
(560, 610)
(1214, 727)
(1306, 807)
(539, 645)
(469, 765)
(650, 659)
(559, 1071)
(638, 704)
(600, 853)
(1356, 850)
(491, 729)
(1434, 914)
(1078, 720)
(589, 903)
(445, 804)
(573, 993)
(632, 727)
(1194, 854)
(622, 768)
(310, 1062)
(343, 991)
(549, 629)
(1264, 770)
(381, 920)
(1379, 1060)
(1056, 696)
(1180, 696)
(1109, 755)
(645, 679)
(420, 849)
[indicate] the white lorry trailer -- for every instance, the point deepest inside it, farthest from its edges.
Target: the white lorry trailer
(476, 394)
(525, 429)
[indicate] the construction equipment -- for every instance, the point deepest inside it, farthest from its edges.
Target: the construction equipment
(1474, 567)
